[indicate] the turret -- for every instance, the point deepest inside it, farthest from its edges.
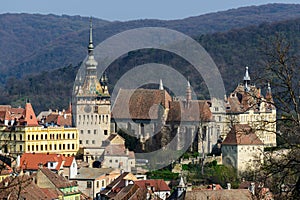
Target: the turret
(247, 81)
(161, 86)
(188, 94)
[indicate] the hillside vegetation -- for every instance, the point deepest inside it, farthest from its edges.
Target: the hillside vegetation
(231, 50)
(35, 43)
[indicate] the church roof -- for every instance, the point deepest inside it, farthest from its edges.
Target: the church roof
(197, 110)
(242, 134)
(141, 103)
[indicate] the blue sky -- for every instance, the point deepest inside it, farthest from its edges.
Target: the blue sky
(128, 9)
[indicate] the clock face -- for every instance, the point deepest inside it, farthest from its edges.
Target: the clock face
(87, 108)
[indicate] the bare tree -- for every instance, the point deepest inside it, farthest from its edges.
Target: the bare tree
(281, 169)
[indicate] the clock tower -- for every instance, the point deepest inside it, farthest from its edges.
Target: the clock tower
(92, 108)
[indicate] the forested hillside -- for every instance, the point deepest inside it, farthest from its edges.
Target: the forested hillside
(231, 50)
(35, 43)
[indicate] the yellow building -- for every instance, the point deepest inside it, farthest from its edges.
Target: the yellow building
(25, 135)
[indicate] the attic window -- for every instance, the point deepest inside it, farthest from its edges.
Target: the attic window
(30, 116)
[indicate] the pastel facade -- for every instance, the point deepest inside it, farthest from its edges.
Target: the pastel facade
(25, 135)
(91, 110)
(242, 148)
(246, 105)
(92, 180)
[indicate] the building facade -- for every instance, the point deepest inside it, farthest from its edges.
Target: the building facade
(246, 105)
(144, 113)
(25, 135)
(242, 148)
(91, 110)
(116, 155)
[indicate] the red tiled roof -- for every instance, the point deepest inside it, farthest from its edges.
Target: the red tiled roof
(195, 111)
(118, 150)
(29, 116)
(157, 184)
(57, 180)
(242, 134)
(59, 119)
(241, 101)
(68, 161)
(9, 113)
(234, 194)
(51, 193)
(140, 103)
(31, 161)
(23, 187)
(112, 136)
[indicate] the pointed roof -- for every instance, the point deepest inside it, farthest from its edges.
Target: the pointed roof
(198, 110)
(140, 103)
(57, 180)
(157, 184)
(242, 134)
(91, 46)
(181, 183)
(29, 116)
(247, 77)
(161, 86)
(21, 187)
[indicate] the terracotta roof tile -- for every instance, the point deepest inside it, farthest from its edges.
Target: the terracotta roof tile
(117, 150)
(29, 116)
(195, 111)
(25, 183)
(141, 103)
(92, 173)
(59, 119)
(242, 134)
(57, 180)
(31, 161)
(158, 184)
(68, 161)
(234, 194)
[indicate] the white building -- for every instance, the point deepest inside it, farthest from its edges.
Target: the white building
(242, 149)
(246, 105)
(116, 155)
(91, 110)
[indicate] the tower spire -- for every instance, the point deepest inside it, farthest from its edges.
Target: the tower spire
(188, 93)
(91, 46)
(161, 86)
(247, 80)
(269, 88)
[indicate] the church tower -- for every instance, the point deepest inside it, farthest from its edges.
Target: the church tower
(247, 81)
(92, 106)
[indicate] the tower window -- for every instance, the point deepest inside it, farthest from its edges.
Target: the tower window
(105, 132)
